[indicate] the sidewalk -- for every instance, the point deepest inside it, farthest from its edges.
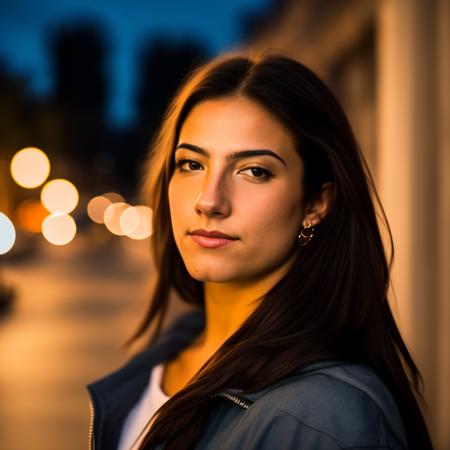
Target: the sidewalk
(75, 306)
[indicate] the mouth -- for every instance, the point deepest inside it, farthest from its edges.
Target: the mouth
(211, 239)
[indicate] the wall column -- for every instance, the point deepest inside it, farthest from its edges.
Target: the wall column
(407, 173)
(443, 322)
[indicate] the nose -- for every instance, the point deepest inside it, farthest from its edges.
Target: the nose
(214, 197)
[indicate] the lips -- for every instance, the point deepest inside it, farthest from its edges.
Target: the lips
(212, 234)
(211, 239)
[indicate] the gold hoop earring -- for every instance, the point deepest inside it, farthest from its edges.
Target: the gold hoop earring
(306, 234)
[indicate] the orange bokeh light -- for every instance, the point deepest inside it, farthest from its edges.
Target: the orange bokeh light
(114, 197)
(96, 208)
(30, 214)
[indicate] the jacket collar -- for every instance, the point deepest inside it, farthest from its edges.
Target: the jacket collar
(167, 346)
(319, 367)
(132, 378)
(114, 395)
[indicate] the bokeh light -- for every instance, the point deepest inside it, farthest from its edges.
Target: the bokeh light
(30, 167)
(96, 208)
(30, 214)
(59, 196)
(112, 217)
(142, 215)
(114, 197)
(7, 234)
(59, 229)
(129, 220)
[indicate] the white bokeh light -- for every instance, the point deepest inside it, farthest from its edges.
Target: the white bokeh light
(59, 229)
(112, 217)
(7, 234)
(59, 196)
(144, 228)
(30, 167)
(129, 220)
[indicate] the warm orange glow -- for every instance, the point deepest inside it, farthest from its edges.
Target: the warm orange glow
(59, 196)
(7, 234)
(96, 208)
(129, 220)
(30, 214)
(59, 229)
(30, 167)
(139, 221)
(112, 217)
(114, 197)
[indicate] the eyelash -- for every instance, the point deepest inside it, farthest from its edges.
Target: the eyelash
(266, 174)
(181, 162)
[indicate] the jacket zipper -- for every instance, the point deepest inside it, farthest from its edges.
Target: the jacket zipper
(243, 403)
(91, 426)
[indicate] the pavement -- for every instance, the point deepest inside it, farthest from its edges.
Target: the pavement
(74, 308)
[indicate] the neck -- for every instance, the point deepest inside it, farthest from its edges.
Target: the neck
(228, 305)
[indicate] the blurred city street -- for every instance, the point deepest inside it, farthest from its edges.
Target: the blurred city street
(75, 306)
(84, 89)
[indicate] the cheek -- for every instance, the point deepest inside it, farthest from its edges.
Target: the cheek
(273, 214)
(174, 205)
(181, 201)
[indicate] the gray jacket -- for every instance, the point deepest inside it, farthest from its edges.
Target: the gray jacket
(326, 406)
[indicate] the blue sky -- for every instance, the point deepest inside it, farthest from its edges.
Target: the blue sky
(26, 24)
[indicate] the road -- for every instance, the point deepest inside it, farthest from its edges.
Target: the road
(75, 307)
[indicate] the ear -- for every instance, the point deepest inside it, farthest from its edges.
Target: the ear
(318, 208)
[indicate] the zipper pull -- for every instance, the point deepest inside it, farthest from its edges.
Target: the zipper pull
(236, 399)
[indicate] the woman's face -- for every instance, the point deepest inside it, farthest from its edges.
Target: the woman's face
(237, 173)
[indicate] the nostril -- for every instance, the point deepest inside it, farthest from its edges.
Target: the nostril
(213, 198)
(208, 209)
(211, 207)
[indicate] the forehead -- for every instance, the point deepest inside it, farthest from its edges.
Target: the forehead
(235, 123)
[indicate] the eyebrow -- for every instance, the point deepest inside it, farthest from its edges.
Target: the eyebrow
(235, 155)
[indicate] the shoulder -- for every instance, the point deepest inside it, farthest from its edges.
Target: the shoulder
(137, 369)
(345, 405)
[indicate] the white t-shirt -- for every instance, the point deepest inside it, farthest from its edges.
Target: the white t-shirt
(151, 400)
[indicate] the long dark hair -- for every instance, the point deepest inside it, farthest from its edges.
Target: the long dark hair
(332, 304)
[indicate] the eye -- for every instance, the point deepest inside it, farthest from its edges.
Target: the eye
(187, 165)
(258, 173)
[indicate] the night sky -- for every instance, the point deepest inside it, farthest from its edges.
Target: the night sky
(26, 27)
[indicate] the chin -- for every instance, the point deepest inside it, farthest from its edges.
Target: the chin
(211, 274)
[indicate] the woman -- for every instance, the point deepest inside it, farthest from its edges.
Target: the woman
(263, 219)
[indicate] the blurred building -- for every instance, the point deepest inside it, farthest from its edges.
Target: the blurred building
(388, 63)
(25, 121)
(79, 61)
